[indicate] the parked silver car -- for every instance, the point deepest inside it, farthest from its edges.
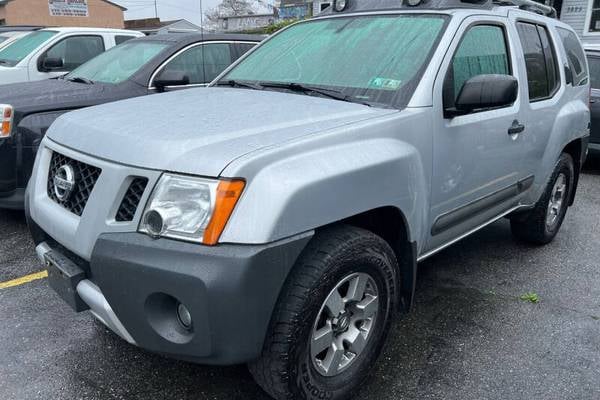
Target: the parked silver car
(277, 217)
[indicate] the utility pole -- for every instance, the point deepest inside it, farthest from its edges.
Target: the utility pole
(156, 8)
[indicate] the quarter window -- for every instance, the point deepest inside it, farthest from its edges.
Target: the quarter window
(482, 51)
(540, 60)
(575, 56)
(202, 63)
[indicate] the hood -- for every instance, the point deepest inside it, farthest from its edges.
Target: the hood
(13, 75)
(200, 131)
(51, 94)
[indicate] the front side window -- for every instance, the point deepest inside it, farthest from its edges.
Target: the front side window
(119, 63)
(540, 60)
(575, 56)
(375, 59)
(76, 50)
(14, 53)
(202, 63)
(482, 51)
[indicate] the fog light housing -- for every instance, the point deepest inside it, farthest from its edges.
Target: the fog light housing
(184, 316)
(154, 223)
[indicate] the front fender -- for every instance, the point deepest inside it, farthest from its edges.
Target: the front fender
(331, 181)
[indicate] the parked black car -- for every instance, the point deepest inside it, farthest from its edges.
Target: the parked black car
(136, 68)
(593, 56)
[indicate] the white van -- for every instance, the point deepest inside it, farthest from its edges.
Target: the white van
(52, 52)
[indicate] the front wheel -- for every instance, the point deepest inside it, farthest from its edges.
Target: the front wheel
(541, 224)
(332, 318)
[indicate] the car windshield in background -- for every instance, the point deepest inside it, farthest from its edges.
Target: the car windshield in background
(369, 59)
(14, 53)
(117, 64)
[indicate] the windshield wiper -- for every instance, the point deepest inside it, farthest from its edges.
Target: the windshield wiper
(297, 87)
(79, 79)
(234, 83)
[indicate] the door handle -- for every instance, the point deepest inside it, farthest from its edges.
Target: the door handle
(516, 128)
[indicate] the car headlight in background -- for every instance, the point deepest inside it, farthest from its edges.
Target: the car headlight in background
(6, 120)
(189, 208)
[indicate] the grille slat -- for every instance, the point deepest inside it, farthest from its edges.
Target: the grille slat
(131, 200)
(86, 177)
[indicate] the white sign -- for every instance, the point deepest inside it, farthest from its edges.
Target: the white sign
(68, 8)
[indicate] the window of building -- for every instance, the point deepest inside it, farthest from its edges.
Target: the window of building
(2, 22)
(540, 60)
(594, 15)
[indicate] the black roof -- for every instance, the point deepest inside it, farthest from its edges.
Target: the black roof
(206, 37)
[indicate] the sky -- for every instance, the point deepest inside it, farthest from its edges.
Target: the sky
(167, 9)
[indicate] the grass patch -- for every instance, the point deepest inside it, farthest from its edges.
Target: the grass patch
(530, 297)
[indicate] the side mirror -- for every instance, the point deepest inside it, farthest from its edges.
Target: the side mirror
(171, 78)
(49, 64)
(484, 92)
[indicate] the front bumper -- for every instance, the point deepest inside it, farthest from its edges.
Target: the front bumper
(133, 284)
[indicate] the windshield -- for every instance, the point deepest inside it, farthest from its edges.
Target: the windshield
(14, 53)
(119, 63)
(369, 59)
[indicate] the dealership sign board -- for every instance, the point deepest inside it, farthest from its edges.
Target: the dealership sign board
(68, 8)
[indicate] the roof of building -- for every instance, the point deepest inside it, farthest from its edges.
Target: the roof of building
(3, 2)
(155, 24)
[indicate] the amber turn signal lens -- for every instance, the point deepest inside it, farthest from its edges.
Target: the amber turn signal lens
(228, 194)
(6, 121)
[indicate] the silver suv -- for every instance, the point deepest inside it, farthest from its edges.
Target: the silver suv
(277, 217)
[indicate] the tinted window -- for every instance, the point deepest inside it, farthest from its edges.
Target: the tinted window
(119, 63)
(375, 58)
(122, 39)
(76, 50)
(575, 56)
(202, 63)
(15, 52)
(540, 60)
(482, 51)
(594, 72)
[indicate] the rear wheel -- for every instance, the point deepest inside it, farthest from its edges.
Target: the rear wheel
(332, 318)
(541, 225)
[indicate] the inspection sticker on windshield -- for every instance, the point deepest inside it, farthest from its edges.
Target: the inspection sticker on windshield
(384, 83)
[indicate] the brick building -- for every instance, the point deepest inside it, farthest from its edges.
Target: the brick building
(91, 13)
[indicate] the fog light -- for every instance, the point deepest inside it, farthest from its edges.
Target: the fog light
(185, 318)
(154, 223)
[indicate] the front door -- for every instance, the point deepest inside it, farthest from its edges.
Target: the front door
(477, 157)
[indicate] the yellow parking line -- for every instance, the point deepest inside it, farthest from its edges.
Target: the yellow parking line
(24, 280)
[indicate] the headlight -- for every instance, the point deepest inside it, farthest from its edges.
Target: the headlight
(189, 208)
(6, 120)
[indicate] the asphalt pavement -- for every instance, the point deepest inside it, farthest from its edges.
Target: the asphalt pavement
(470, 336)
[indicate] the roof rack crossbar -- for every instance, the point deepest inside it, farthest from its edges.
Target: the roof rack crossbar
(530, 5)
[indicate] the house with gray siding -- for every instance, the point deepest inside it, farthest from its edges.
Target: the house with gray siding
(584, 17)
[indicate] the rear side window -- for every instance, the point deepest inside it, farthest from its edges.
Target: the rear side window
(594, 72)
(575, 56)
(540, 59)
(122, 39)
(202, 63)
(482, 51)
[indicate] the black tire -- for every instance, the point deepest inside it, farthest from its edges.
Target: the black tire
(285, 369)
(532, 226)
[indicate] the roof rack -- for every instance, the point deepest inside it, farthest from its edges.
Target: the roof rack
(529, 5)
(373, 5)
